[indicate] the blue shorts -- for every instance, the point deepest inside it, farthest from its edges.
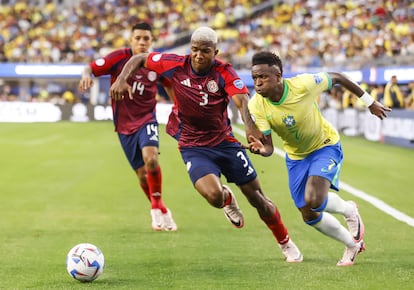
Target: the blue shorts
(227, 158)
(132, 144)
(325, 162)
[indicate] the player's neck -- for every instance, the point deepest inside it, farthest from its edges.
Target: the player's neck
(277, 94)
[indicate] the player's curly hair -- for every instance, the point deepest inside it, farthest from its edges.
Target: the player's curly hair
(269, 58)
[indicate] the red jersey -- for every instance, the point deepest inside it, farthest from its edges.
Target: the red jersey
(200, 100)
(129, 115)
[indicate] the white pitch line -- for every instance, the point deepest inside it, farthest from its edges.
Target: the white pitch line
(356, 192)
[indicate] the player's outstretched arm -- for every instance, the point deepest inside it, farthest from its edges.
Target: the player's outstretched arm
(375, 107)
(120, 86)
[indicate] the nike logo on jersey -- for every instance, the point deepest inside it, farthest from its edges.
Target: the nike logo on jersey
(186, 83)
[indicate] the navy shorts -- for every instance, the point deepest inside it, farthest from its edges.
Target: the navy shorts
(325, 162)
(227, 158)
(132, 144)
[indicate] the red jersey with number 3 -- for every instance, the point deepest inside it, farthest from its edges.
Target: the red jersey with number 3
(201, 100)
(129, 115)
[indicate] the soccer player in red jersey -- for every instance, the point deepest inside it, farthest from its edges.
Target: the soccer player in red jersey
(203, 86)
(135, 120)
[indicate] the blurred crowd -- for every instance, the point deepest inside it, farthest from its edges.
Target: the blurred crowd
(392, 94)
(306, 33)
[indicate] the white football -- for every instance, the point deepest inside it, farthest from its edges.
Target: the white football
(85, 262)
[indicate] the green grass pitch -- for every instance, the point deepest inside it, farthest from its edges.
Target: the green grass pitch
(66, 183)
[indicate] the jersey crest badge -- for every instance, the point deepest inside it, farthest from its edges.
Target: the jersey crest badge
(212, 86)
(152, 76)
(289, 121)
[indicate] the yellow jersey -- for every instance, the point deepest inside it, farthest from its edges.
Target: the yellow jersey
(296, 118)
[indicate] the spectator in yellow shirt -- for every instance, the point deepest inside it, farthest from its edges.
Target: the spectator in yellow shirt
(410, 97)
(393, 96)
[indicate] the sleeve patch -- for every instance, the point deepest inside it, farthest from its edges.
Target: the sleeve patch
(156, 57)
(318, 79)
(100, 62)
(238, 84)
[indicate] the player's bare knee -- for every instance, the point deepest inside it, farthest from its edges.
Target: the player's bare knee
(151, 162)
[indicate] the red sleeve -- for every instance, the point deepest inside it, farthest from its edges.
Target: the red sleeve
(162, 62)
(234, 84)
(107, 64)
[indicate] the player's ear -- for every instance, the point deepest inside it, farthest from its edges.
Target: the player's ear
(216, 52)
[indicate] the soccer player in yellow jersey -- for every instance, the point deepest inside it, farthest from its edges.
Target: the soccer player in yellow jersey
(314, 156)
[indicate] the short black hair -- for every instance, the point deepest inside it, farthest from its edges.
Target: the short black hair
(269, 58)
(142, 26)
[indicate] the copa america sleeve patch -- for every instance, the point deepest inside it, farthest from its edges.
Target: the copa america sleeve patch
(238, 84)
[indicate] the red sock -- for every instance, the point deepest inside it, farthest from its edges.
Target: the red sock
(228, 200)
(154, 178)
(275, 224)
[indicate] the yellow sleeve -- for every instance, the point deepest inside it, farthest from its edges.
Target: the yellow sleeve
(257, 112)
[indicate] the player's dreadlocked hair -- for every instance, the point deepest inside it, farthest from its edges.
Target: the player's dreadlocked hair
(269, 58)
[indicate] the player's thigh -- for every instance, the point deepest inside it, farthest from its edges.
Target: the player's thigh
(132, 151)
(298, 175)
(200, 161)
(150, 156)
(236, 165)
(326, 163)
(210, 187)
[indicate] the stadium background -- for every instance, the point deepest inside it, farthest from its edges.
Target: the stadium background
(44, 45)
(67, 182)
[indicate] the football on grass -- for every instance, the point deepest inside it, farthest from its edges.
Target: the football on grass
(85, 262)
